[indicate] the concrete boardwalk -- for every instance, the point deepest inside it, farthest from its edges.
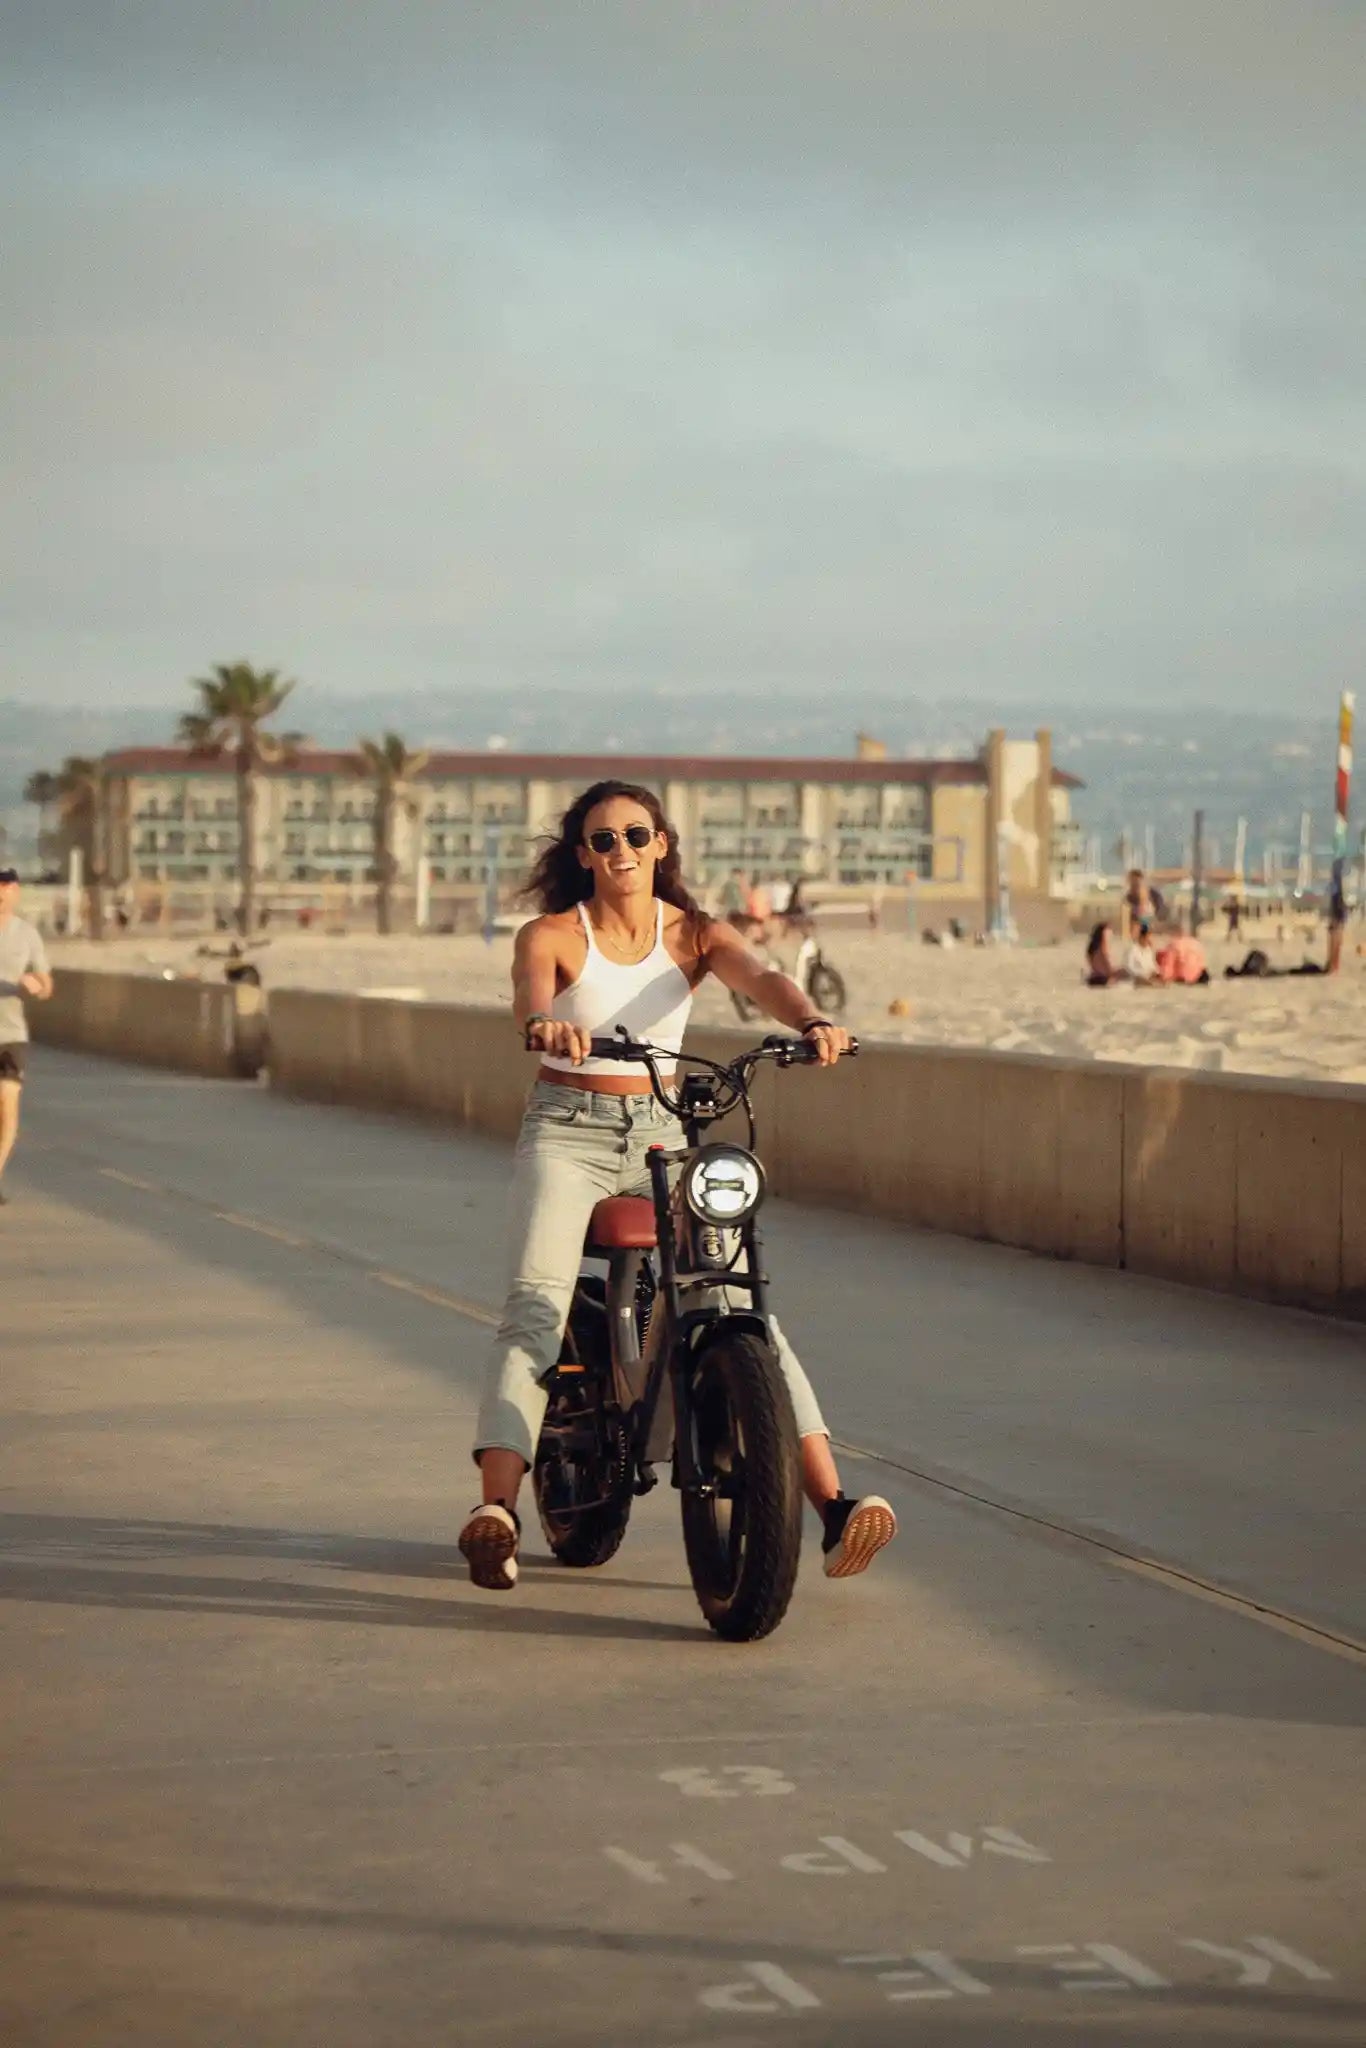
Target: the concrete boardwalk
(272, 1774)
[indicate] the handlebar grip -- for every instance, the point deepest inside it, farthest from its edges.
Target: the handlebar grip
(599, 1048)
(801, 1052)
(612, 1049)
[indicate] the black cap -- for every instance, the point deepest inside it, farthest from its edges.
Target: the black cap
(9, 875)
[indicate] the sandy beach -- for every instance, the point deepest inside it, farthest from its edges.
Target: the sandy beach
(1019, 999)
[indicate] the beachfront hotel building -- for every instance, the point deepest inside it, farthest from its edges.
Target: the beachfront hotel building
(949, 829)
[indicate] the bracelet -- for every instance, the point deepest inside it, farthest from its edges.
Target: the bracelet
(536, 1017)
(812, 1022)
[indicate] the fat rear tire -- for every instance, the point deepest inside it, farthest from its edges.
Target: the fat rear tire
(744, 1543)
(590, 1536)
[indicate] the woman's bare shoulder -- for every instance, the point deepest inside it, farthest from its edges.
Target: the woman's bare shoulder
(687, 939)
(549, 931)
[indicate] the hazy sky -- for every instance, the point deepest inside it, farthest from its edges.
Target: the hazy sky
(1009, 349)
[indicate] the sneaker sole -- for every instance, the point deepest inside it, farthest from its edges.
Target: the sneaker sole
(866, 1532)
(490, 1550)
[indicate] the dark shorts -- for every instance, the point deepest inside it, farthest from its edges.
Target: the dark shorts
(12, 1062)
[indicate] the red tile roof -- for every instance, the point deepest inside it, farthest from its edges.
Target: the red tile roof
(586, 768)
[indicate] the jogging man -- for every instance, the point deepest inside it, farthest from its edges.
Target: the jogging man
(23, 972)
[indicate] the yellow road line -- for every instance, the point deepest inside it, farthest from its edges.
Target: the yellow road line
(473, 1309)
(254, 1223)
(1176, 1578)
(442, 1297)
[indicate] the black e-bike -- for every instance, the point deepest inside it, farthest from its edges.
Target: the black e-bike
(669, 1357)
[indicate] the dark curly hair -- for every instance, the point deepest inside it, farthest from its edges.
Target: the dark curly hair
(559, 880)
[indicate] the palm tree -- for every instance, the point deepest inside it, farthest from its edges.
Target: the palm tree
(43, 788)
(234, 703)
(390, 765)
(82, 794)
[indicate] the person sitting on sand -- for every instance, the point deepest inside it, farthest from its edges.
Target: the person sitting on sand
(1100, 968)
(1257, 964)
(1183, 959)
(1141, 962)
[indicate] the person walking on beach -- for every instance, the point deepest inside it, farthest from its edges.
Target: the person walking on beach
(1337, 921)
(1137, 900)
(23, 974)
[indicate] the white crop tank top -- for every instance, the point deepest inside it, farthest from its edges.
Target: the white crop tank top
(651, 997)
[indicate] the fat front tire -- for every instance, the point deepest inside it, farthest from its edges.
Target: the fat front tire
(743, 1540)
(582, 1478)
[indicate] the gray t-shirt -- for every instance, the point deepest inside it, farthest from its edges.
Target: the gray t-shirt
(21, 952)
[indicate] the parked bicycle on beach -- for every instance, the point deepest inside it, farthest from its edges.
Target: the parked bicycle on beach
(812, 972)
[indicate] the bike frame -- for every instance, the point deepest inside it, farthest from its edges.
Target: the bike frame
(700, 1267)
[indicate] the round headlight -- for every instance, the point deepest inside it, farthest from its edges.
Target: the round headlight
(723, 1184)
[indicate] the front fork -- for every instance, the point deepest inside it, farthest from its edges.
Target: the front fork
(698, 1280)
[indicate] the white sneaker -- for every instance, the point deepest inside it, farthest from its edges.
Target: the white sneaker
(488, 1542)
(855, 1531)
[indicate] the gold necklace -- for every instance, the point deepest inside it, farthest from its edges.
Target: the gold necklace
(632, 958)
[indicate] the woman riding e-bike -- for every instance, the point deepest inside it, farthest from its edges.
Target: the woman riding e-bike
(619, 942)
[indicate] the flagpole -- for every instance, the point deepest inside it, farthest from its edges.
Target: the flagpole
(1337, 899)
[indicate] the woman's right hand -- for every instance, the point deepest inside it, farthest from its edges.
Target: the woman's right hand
(562, 1041)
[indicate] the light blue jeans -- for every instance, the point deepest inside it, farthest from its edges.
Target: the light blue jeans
(575, 1147)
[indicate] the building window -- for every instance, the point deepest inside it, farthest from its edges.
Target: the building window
(773, 803)
(856, 803)
(456, 801)
(723, 803)
(904, 805)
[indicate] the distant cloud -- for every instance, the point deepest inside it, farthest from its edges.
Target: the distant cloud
(1008, 349)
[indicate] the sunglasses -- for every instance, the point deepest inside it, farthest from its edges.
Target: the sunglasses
(634, 835)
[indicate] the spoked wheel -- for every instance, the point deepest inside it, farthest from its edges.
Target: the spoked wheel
(827, 989)
(743, 1536)
(582, 1476)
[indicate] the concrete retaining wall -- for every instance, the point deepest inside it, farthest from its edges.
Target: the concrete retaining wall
(1250, 1185)
(184, 1024)
(462, 1065)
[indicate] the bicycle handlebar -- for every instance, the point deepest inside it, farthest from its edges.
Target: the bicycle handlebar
(734, 1075)
(788, 1052)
